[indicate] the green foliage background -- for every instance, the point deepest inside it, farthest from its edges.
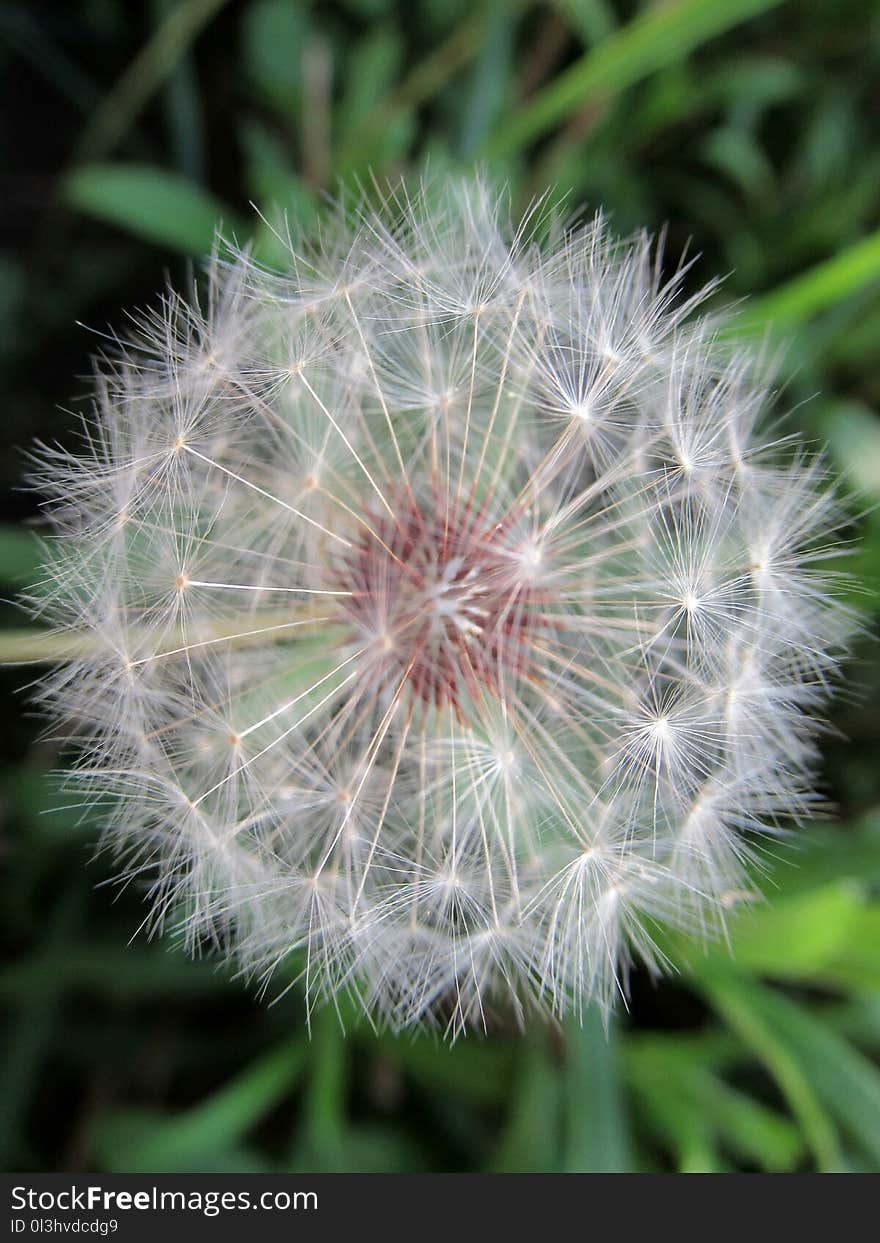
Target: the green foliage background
(749, 128)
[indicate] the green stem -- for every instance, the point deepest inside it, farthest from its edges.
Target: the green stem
(596, 1135)
(41, 647)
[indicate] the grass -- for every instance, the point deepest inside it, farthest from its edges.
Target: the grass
(744, 127)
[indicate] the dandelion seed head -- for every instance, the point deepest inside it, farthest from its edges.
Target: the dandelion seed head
(448, 618)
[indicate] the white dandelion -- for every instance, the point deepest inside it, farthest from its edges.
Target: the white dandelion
(447, 625)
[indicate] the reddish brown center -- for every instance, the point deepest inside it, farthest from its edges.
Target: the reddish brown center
(439, 596)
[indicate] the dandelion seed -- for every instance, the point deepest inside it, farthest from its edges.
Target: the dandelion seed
(451, 621)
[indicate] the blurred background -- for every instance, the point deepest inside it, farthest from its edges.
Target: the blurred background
(750, 130)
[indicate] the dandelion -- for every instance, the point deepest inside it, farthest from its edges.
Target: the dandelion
(449, 623)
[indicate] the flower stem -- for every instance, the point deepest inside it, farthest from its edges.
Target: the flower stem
(29, 646)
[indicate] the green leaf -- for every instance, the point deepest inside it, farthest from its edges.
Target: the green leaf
(274, 32)
(856, 967)
(592, 20)
(489, 78)
(844, 1080)
(852, 433)
(748, 1128)
(825, 853)
(373, 68)
(372, 1148)
(530, 1135)
(474, 1070)
(813, 291)
(692, 1110)
(151, 203)
(323, 1140)
(287, 203)
(659, 36)
(370, 79)
(740, 1004)
(795, 937)
(422, 82)
(189, 1141)
(737, 155)
(749, 84)
(121, 1137)
(671, 1114)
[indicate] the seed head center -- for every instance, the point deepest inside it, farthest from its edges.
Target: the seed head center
(438, 593)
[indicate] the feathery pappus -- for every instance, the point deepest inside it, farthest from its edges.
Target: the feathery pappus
(449, 623)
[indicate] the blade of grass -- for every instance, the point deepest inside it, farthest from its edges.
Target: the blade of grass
(818, 289)
(750, 1129)
(734, 1001)
(422, 81)
(221, 1121)
(150, 68)
(273, 35)
(657, 37)
(693, 1111)
(27, 34)
(846, 1082)
(183, 109)
(679, 1127)
(529, 1137)
(489, 78)
(324, 1103)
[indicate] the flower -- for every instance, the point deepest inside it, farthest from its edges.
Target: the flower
(448, 622)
